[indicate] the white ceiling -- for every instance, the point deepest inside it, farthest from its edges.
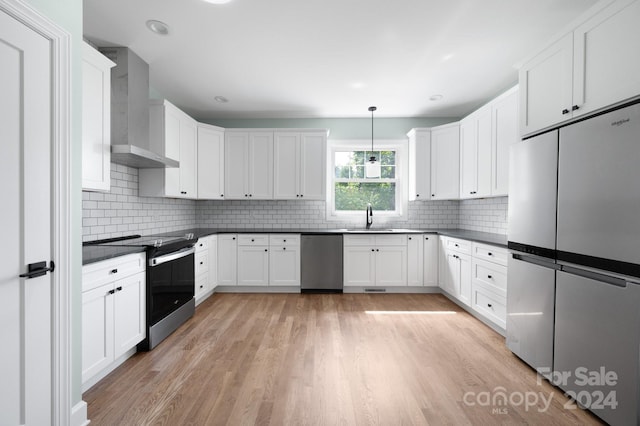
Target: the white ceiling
(331, 58)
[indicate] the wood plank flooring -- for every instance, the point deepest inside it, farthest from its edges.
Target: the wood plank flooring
(292, 359)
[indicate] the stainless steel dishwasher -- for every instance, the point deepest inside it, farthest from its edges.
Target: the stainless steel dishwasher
(321, 268)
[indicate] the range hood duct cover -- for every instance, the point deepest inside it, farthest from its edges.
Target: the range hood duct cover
(130, 111)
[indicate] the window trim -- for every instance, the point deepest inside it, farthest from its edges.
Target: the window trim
(401, 180)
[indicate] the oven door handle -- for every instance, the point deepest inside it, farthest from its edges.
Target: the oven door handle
(171, 256)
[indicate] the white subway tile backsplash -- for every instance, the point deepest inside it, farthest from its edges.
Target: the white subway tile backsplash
(122, 212)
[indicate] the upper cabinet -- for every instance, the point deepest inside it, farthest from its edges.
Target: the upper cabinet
(485, 137)
(299, 165)
(173, 133)
(475, 154)
(445, 162)
(419, 164)
(248, 165)
(96, 120)
(210, 162)
(590, 68)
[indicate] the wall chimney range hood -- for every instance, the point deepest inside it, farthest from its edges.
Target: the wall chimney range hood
(130, 112)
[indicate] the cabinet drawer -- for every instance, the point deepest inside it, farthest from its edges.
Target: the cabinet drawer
(201, 282)
(494, 254)
(490, 304)
(359, 240)
(99, 273)
(284, 239)
(392, 240)
(202, 244)
(490, 274)
(253, 239)
(201, 262)
(460, 246)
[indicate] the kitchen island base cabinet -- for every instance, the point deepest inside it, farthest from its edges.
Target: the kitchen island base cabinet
(113, 313)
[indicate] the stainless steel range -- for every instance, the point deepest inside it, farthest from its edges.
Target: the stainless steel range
(170, 282)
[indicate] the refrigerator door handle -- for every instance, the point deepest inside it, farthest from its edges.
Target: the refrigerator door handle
(540, 261)
(597, 276)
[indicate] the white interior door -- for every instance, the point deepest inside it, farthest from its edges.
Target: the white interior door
(25, 170)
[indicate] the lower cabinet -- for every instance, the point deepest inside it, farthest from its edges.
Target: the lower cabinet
(476, 275)
(456, 275)
(284, 260)
(227, 259)
(205, 267)
(259, 260)
(415, 266)
(113, 311)
(375, 260)
(430, 260)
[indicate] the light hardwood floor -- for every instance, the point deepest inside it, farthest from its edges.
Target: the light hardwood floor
(274, 359)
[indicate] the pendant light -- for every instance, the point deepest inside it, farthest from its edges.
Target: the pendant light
(372, 166)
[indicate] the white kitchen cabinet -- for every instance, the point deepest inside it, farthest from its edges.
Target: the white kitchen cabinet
(430, 260)
(489, 282)
(299, 165)
(445, 162)
(415, 256)
(419, 164)
(96, 120)
(210, 162)
(375, 260)
(248, 165)
(173, 133)
(586, 70)
(113, 311)
(253, 259)
(205, 267)
(505, 132)
(227, 259)
(455, 275)
(475, 154)
(284, 260)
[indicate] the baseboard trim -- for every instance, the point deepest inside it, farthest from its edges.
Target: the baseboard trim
(108, 369)
(486, 321)
(393, 290)
(257, 289)
(79, 414)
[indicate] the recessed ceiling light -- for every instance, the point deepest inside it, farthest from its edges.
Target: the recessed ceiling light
(217, 1)
(158, 27)
(435, 97)
(221, 99)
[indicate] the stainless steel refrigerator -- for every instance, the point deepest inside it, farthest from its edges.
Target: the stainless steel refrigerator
(573, 300)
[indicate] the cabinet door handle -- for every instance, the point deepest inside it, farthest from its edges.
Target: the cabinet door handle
(433, 195)
(457, 245)
(301, 195)
(252, 240)
(417, 195)
(265, 249)
(234, 238)
(250, 195)
(489, 304)
(489, 276)
(114, 271)
(201, 286)
(284, 248)
(409, 238)
(565, 111)
(575, 108)
(297, 195)
(373, 249)
(201, 263)
(377, 249)
(119, 288)
(490, 254)
(284, 241)
(111, 292)
(222, 195)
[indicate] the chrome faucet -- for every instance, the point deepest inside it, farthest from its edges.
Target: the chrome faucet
(369, 215)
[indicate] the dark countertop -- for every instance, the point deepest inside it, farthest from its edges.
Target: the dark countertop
(499, 240)
(91, 254)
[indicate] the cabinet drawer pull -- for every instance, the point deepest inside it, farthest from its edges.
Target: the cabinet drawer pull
(202, 263)
(565, 111)
(222, 195)
(284, 248)
(252, 240)
(111, 292)
(265, 249)
(417, 195)
(575, 108)
(426, 238)
(490, 254)
(373, 249)
(409, 238)
(489, 304)
(489, 276)
(119, 288)
(234, 238)
(114, 271)
(201, 286)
